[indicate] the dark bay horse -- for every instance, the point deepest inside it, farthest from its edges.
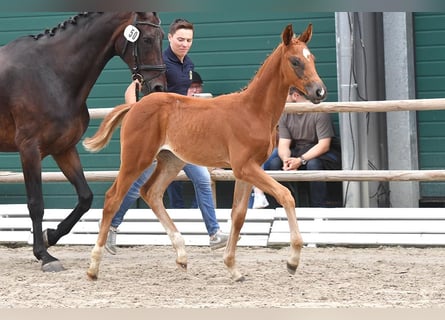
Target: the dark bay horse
(44, 83)
(234, 130)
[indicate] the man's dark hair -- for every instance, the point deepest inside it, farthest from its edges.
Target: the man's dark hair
(292, 90)
(180, 24)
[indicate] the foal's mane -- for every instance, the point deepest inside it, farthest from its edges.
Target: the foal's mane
(72, 20)
(260, 70)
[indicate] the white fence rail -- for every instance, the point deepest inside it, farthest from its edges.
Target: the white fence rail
(351, 106)
(325, 175)
(227, 175)
(266, 227)
(262, 227)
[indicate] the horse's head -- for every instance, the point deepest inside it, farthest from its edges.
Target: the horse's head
(140, 46)
(300, 69)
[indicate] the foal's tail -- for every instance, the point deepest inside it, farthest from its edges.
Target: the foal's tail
(106, 129)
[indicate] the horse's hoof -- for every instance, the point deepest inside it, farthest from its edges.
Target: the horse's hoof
(92, 276)
(291, 268)
(53, 266)
(182, 266)
(241, 279)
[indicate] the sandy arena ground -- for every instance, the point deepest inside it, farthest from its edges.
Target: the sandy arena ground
(146, 276)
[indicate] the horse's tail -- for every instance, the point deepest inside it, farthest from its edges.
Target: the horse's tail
(103, 135)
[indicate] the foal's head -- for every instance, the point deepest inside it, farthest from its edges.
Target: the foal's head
(300, 71)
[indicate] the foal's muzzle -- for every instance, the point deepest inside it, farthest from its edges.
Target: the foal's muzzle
(316, 93)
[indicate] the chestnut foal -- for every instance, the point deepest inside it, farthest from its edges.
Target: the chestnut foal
(234, 130)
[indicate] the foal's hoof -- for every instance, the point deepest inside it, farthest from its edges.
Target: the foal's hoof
(53, 266)
(291, 268)
(241, 279)
(91, 276)
(182, 266)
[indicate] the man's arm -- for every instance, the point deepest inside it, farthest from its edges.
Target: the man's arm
(284, 150)
(130, 93)
(294, 163)
(320, 148)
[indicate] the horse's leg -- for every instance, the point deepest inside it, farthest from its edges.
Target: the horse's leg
(69, 163)
(152, 192)
(32, 173)
(133, 162)
(256, 175)
(113, 200)
(239, 209)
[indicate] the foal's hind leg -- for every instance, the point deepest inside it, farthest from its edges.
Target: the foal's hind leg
(113, 199)
(152, 192)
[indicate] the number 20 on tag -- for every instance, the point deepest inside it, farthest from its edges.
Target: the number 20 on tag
(131, 33)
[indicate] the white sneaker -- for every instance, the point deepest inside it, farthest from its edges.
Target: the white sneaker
(218, 240)
(260, 201)
(110, 245)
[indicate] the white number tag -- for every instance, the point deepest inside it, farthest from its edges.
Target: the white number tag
(131, 33)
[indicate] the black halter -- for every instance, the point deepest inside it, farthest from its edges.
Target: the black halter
(143, 67)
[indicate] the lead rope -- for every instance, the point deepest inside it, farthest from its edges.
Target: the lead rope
(136, 93)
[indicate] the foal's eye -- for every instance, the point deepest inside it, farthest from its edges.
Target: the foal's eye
(295, 62)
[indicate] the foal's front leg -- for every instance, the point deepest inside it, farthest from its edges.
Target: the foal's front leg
(284, 197)
(239, 210)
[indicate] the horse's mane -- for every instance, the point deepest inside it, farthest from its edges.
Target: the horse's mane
(72, 20)
(260, 69)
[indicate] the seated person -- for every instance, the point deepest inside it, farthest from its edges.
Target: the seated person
(305, 143)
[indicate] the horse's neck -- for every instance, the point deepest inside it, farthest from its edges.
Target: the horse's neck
(86, 47)
(268, 90)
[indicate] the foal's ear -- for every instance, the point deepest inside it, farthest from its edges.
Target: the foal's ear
(287, 34)
(306, 35)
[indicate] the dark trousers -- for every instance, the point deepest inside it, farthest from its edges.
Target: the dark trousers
(318, 190)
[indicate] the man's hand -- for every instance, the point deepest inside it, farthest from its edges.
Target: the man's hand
(291, 164)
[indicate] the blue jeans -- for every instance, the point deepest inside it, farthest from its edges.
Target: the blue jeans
(176, 197)
(266, 166)
(174, 191)
(271, 159)
(132, 195)
(317, 189)
(200, 178)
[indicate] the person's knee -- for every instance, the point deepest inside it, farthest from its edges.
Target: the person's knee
(202, 184)
(200, 178)
(314, 164)
(201, 181)
(274, 164)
